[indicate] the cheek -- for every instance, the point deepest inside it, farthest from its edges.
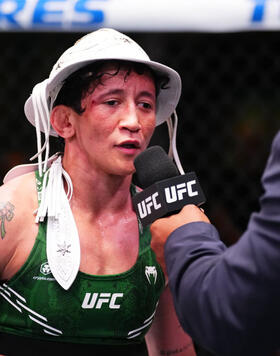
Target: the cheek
(94, 125)
(148, 129)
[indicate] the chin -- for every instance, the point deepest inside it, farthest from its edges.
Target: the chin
(119, 166)
(125, 167)
(127, 171)
(121, 172)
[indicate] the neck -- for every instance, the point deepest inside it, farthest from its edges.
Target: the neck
(98, 192)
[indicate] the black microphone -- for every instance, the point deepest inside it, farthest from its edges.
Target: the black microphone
(165, 190)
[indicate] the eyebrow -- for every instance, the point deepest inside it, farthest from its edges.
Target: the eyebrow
(120, 91)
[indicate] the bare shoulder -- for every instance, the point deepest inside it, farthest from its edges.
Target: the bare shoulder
(18, 201)
(20, 192)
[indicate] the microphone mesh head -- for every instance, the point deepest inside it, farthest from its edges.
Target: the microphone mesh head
(153, 165)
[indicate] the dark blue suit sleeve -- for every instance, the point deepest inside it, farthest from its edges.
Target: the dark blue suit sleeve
(228, 299)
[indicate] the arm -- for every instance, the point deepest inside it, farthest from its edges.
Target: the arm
(166, 336)
(17, 226)
(228, 299)
(7, 213)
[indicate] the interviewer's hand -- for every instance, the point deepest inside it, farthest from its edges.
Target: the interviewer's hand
(163, 227)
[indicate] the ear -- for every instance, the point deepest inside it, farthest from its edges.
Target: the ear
(62, 121)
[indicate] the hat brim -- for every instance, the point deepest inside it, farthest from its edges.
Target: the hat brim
(167, 99)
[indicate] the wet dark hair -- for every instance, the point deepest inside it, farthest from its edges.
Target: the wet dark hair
(83, 82)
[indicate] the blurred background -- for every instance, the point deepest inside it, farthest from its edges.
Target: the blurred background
(227, 55)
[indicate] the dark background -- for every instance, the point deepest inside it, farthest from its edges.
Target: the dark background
(228, 112)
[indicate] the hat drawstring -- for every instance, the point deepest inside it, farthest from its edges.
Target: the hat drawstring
(172, 131)
(42, 118)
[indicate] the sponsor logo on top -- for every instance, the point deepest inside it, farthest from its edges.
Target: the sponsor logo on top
(45, 273)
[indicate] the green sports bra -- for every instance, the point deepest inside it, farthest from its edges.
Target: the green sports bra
(103, 310)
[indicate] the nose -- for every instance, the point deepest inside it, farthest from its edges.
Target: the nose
(130, 120)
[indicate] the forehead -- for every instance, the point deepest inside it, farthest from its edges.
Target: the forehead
(125, 68)
(124, 73)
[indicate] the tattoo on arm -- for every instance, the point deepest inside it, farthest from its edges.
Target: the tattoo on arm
(6, 214)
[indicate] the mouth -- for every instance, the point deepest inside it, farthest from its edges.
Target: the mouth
(132, 144)
(129, 146)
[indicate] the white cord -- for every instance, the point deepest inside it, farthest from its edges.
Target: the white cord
(38, 132)
(172, 130)
(170, 134)
(42, 118)
(50, 193)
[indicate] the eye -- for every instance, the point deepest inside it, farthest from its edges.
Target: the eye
(146, 105)
(111, 102)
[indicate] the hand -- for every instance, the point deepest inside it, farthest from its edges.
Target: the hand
(163, 227)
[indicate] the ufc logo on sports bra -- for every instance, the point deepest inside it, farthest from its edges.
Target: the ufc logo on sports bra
(99, 300)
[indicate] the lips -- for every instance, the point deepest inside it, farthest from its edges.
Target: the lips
(130, 144)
